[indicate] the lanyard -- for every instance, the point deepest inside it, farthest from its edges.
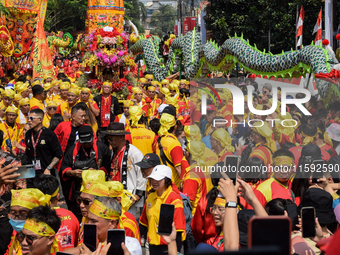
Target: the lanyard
(115, 163)
(9, 136)
(87, 155)
(34, 143)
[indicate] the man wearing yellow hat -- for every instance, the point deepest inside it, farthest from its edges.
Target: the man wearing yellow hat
(144, 139)
(86, 97)
(22, 89)
(24, 105)
(173, 154)
(165, 83)
(108, 107)
(117, 191)
(7, 97)
(51, 109)
(65, 108)
(49, 92)
(16, 99)
(62, 97)
(2, 112)
(106, 213)
(163, 94)
(10, 128)
(221, 144)
(264, 144)
(139, 100)
(124, 117)
(149, 78)
(21, 203)
(155, 102)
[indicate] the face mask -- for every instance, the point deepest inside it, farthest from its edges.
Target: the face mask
(17, 225)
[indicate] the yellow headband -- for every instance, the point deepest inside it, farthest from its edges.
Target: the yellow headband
(8, 93)
(29, 198)
(47, 76)
(155, 83)
(12, 109)
(55, 192)
(167, 121)
(90, 176)
(151, 88)
(102, 211)
(192, 133)
(137, 91)
(135, 113)
(42, 229)
(51, 103)
(173, 86)
(74, 91)
(116, 189)
(165, 91)
(172, 101)
(308, 136)
(326, 137)
(220, 201)
(127, 103)
(224, 138)
(65, 85)
(36, 82)
(149, 76)
(142, 80)
(24, 101)
(17, 97)
(165, 82)
(283, 160)
(96, 188)
(197, 149)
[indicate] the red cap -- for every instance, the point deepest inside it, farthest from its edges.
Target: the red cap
(211, 107)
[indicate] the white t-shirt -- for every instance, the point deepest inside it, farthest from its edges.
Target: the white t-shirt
(133, 245)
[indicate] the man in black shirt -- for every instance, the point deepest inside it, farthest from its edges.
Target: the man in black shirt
(42, 146)
(87, 153)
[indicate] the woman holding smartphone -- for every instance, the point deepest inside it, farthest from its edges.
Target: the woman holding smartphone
(162, 193)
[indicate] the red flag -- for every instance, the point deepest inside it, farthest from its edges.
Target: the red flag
(318, 29)
(299, 27)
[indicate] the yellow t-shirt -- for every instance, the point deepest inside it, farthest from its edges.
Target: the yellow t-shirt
(143, 139)
(12, 133)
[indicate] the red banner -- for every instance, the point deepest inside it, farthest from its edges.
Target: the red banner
(189, 23)
(176, 30)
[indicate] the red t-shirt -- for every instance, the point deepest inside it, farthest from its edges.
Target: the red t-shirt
(69, 229)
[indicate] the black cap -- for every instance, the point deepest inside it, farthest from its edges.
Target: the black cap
(149, 160)
(170, 110)
(85, 134)
(322, 201)
(37, 89)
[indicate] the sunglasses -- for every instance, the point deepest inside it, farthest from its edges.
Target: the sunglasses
(52, 108)
(31, 118)
(29, 239)
(84, 201)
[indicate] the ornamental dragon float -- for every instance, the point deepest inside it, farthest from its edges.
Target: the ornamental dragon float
(236, 50)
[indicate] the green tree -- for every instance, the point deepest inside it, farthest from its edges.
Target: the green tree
(135, 11)
(163, 20)
(253, 19)
(66, 15)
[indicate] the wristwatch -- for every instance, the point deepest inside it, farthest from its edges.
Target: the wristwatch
(49, 168)
(231, 204)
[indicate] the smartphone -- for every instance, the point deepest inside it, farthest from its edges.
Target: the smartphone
(231, 167)
(26, 172)
(9, 143)
(166, 217)
(90, 236)
(116, 237)
(308, 221)
(293, 215)
(270, 231)
(318, 170)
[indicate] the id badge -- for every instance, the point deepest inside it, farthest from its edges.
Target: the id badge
(107, 116)
(37, 165)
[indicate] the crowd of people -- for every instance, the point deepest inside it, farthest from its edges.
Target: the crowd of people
(112, 163)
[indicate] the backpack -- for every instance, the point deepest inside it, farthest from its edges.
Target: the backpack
(187, 211)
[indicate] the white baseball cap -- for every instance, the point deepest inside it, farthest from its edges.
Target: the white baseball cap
(160, 172)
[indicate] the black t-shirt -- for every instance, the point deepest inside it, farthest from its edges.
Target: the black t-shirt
(72, 138)
(47, 147)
